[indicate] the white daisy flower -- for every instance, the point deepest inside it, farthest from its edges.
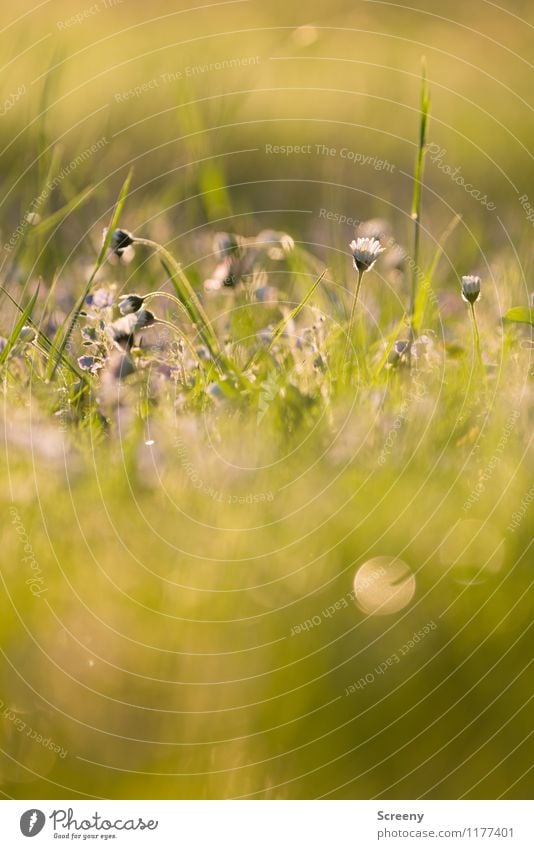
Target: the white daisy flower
(365, 252)
(470, 288)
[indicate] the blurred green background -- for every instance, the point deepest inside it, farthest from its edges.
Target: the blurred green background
(159, 650)
(192, 96)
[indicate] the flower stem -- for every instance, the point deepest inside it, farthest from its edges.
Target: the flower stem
(168, 295)
(417, 195)
(476, 337)
(192, 304)
(194, 308)
(353, 312)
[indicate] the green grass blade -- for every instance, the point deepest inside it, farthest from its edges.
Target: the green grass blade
(17, 252)
(294, 313)
(185, 293)
(202, 327)
(45, 343)
(198, 317)
(51, 220)
(19, 324)
(393, 336)
(418, 182)
(421, 147)
(425, 288)
(285, 321)
(184, 298)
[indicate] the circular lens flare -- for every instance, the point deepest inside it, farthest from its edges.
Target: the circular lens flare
(383, 585)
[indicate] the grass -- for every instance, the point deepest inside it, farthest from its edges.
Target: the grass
(187, 504)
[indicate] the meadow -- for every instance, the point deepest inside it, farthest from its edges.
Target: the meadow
(266, 361)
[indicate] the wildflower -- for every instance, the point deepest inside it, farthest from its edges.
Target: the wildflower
(121, 244)
(203, 353)
(365, 252)
(470, 294)
(215, 392)
(130, 304)
(276, 244)
(89, 363)
(100, 299)
(225, 244)
(225, 274)
(120, 240)
(399, 349)
(145, 318)
(231, 271)
(231, 274)
(122, 330)
(470, 288)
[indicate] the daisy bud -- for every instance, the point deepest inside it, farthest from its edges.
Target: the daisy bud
(144, 319)
(122, 330)
(399, 349)
(120, 241)
(470, 288)
(130, 304)
(365, 252)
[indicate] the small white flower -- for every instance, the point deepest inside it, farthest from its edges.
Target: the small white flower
(276, 244)
(365, 252)
(470, 288)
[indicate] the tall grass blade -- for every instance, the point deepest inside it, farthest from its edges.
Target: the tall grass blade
(186, 295)
(417, 187)
(425, 288)
(19, 324)
(285, 321)
(45, 343)
(393, 336)
(54, 218)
